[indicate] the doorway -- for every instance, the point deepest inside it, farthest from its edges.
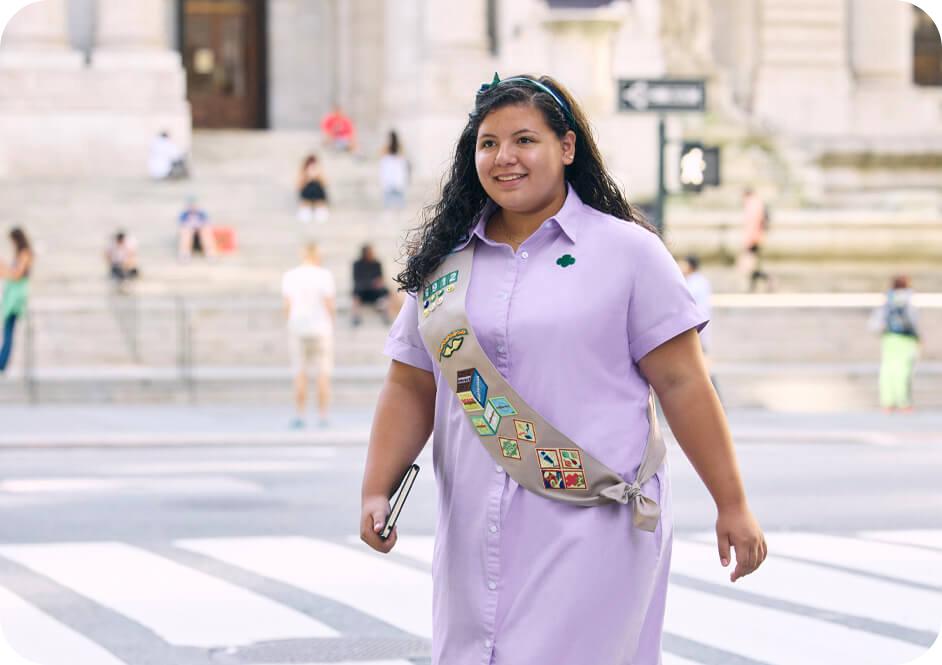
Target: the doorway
(223, 46)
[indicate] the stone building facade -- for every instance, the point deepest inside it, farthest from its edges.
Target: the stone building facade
(819, 86)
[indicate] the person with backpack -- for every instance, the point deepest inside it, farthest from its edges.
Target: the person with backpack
(755, 226)
(896, 320)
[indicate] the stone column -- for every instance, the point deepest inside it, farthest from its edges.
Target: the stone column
(803, 60)
(881, 39)
(37, 36)
(133, 34)
(582, 53)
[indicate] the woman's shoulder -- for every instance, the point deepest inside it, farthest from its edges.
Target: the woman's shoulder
(612, 231)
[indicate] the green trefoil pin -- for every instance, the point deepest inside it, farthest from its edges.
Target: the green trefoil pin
(565, 260)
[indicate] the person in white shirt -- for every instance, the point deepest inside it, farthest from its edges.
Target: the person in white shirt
(393, 173)
(165, 159)
(310, 308)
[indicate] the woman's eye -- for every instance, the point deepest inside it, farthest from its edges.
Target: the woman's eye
(487, 143)
(526, 139)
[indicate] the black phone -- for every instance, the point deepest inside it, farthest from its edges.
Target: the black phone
(404, 486)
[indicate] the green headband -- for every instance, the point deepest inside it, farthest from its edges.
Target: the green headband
(531, 83)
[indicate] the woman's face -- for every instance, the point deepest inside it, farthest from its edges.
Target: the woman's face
(520, 161)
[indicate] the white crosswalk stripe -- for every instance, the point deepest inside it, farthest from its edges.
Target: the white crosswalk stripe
(398, 595)
(853, 598)
(165, 596)
(31, 637)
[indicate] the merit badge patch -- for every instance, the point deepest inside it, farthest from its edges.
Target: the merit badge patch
(549, 458)
(574, 480)
(525, 430)
(491, 416)
(452, 343)
(509, 448)
(481, 426)
(472, 391)
(503, 406)
(571, 459)
(553, 480)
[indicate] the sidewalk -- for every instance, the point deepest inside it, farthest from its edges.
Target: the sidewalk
(175, 425)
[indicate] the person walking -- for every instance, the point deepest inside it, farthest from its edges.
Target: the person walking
(393, 173)
(15, 290)
(312, 191)
(897, 321)
(755, 223)
(541, 312)
(309, 298)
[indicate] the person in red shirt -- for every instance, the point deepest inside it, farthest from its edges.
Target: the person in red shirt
(338, 130)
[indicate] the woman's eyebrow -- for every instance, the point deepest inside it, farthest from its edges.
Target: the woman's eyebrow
(519, 131)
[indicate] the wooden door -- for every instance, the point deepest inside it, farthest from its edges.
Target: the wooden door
(222, 42)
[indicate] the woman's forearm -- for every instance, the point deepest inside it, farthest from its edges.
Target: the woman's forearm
(696, 418)
(401, 426)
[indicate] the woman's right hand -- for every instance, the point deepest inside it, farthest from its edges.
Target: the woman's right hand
(372, 518)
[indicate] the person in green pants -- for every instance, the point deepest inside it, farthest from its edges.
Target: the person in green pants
(899, 345)
(15, 290)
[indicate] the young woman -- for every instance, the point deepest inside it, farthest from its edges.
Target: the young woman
(15, 290)
(393, 173)
(312, 191)
(554, 516)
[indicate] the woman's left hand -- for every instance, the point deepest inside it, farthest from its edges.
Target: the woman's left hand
(738, 528)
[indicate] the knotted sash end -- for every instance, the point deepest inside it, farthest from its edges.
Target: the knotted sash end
(645, 511)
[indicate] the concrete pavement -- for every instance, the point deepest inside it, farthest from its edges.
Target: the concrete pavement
(180, 425)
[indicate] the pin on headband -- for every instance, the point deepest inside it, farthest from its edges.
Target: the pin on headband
(531, 83)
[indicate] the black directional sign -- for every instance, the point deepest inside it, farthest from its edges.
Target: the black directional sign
(661, 95)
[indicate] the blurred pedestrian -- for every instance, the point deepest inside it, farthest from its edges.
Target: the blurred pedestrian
(755, 224)
(194, 233)
(393, 173)
(338, 130)
(312, 191)
(121, 257)
(15, 290)
(368, 287)
(540, 299)
(897, 322)
(165, 160)
(310, 308)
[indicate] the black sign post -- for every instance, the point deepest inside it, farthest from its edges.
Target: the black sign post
(661, 96)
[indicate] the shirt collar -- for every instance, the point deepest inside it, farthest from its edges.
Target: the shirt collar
(567, 218)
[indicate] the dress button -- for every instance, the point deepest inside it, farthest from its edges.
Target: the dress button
(525, 255)
(492, 585)
(500, 348)
(498, 468)
(488, 644)
(493, 528)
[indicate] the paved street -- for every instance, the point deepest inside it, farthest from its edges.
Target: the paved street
(247, 554)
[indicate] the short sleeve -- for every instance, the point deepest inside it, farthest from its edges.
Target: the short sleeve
(404, 343)
(660, 306)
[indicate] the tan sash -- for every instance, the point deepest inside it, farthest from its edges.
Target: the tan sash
(537, 456)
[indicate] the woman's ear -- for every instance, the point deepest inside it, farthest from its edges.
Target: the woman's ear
(568, 144)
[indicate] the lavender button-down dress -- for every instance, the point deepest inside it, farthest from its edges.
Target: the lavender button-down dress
(519, 578)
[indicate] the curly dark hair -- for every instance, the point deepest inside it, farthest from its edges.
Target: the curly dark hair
(449, 221)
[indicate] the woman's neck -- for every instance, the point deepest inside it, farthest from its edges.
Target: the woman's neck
(515, 227)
